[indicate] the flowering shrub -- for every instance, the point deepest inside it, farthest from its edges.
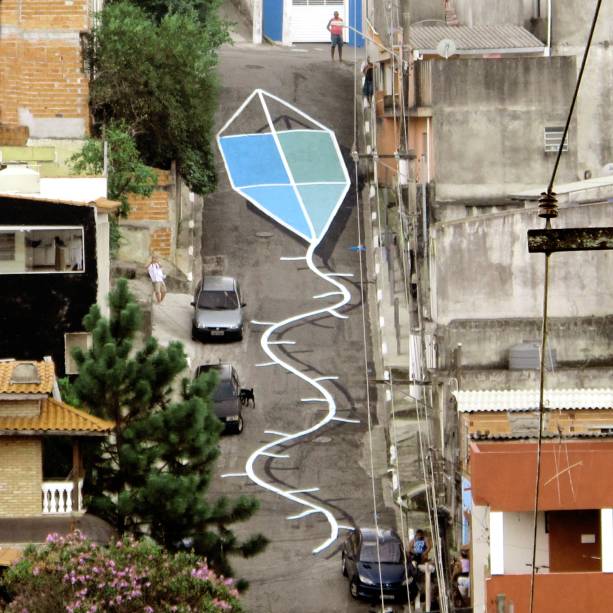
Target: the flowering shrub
(74, 575)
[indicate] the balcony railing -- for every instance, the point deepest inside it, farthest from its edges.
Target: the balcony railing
(57, 497)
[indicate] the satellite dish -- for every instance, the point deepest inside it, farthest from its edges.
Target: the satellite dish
(446, 48)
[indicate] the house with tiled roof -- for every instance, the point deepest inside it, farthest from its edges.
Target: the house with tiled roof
(41, 470)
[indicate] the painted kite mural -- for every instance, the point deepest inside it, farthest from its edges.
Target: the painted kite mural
(298, 178)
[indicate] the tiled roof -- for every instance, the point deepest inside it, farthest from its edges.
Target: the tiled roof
(474, 39)
(8, 555)
(46, 374)
(56, 418)
(528, 400)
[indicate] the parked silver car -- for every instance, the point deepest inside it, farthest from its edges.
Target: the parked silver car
(218, 309)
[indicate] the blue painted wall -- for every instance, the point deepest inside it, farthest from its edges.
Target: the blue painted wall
(355, 21)
(273, 19)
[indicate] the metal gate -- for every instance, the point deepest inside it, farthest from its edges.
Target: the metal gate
(310, 18)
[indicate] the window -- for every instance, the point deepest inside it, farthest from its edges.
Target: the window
(553, 138)
(7, 246)
(72, 340)
(41, 249)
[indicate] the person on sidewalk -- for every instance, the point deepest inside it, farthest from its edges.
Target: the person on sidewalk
(157, 278)
(367, 71)
(335, 27)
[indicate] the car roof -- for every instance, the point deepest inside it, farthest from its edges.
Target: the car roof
(224, 370)
(370, 535)
(214, 283)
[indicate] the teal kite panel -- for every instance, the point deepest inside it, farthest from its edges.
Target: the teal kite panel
(311, 156)
(320, 201)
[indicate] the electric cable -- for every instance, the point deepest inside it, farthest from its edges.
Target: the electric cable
(548, 210)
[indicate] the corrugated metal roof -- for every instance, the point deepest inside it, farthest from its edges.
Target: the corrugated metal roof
(528, 400)
(486, 39)
(55, 417)
(46, 373)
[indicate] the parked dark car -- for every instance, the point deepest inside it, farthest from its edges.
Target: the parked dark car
(218, 309)
(360, 563)
(226, 397)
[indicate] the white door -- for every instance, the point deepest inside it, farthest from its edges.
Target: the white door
(310, 18)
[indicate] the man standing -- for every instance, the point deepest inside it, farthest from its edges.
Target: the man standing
(335, 27)
(157, 278)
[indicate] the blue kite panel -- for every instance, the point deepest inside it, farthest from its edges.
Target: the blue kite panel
(281, 202)
(320, 202)
(253, 159)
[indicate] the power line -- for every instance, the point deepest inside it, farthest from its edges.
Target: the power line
(548, 210)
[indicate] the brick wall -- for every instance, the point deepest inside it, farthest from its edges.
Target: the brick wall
(21, 476)
(153, 208)
(40, 60)
(154, 213)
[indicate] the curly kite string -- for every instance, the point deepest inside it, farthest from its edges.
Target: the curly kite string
(298, 178)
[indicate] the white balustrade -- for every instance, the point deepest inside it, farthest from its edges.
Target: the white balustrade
(57, 497)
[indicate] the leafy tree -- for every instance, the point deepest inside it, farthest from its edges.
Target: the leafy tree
(75, 575)
(205, 10)
(159, 78)
(151, 476)
(126, 172)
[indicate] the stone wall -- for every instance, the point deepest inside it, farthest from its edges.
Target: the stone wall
(21, 477)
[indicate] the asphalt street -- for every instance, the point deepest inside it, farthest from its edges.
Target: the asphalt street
(242, 242)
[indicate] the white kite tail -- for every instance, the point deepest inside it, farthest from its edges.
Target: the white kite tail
(325, 398)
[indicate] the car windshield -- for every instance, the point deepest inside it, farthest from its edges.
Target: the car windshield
(223, 391)
(389, 552)
(217, 300)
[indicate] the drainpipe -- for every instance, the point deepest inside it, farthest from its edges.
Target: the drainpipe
(548, 48)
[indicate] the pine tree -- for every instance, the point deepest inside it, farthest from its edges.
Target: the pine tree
(151, 476)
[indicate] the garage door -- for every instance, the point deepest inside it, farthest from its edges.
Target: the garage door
(310, 18)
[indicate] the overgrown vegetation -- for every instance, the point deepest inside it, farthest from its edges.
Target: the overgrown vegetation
(153, 68)
(152, 476)
(75, 575)
(126, 172)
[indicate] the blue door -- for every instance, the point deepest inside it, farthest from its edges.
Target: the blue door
(273, 19)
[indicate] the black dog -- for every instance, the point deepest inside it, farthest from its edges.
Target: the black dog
(246, 396)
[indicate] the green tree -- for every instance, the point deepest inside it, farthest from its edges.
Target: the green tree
(126, 172)
(159, 78)
(151, 477)
(75, 575)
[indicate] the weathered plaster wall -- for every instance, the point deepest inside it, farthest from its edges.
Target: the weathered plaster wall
(488, 124)
(495, 12)
(482, 268)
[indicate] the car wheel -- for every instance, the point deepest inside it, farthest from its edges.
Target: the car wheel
(240, 335)
(353, 588)
(239, 425)
(344, 565)
(194, 334)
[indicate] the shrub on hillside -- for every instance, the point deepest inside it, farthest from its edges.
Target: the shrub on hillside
(75, 575)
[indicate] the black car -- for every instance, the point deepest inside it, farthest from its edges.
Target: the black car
(226, 397)
(360, 563)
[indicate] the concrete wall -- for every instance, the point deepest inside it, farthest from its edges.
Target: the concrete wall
(479, 555)
(426, 9)
(489, 118)
(495, 12)
(21, 477)
(518, 530)
(482, 268)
